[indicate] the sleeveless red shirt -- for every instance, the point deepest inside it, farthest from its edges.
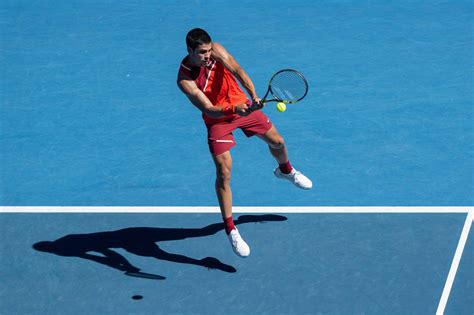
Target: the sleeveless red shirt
(217, 83)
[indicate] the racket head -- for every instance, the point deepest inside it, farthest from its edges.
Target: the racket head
(144, 275)
(288, 86)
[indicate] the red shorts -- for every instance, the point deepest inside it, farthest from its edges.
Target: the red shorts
(220, 135)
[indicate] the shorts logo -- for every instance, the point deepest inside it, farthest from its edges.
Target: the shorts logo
(225, 141)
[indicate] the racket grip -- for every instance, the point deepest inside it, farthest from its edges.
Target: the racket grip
(253, 107)
(258, 106)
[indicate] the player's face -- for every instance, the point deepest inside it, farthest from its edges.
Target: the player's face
(201, 55)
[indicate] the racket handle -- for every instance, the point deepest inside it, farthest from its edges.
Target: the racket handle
(260, 105)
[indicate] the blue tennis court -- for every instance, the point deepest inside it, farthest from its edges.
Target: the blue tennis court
(101, 154)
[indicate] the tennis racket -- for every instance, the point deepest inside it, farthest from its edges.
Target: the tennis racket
(287, 86)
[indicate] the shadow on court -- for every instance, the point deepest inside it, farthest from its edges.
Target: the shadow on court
(141, 241)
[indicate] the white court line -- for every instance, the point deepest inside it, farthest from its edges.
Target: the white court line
(93, 209)
(455, 264)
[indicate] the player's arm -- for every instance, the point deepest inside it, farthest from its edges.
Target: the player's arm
(221, 54)
(202, 102)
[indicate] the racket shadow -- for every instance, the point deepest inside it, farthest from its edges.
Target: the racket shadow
(142, 241)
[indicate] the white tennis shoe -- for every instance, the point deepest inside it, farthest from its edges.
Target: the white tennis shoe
(296, 177)
(239, 246)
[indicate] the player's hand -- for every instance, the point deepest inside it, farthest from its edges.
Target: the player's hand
(256, 104)
(242, 110)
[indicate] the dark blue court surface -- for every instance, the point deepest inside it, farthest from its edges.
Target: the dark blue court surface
(90, 115)
(300, 264)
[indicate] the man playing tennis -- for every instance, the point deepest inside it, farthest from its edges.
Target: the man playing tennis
(208, 76)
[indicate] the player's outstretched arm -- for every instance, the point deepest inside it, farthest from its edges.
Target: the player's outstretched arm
(221, 54)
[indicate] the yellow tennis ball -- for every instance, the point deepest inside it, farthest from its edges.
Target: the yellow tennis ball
(281, 107)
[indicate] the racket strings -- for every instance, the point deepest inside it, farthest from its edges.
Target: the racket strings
(289, 86)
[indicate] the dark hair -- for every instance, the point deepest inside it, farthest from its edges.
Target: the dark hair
(196, 37)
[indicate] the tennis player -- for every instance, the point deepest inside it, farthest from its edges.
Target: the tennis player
(209, 76)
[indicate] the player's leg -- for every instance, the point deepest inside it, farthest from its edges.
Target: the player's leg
(276, 144)
(223, 164)
(278, 149)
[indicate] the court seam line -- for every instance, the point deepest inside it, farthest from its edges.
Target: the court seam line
(215, 209)
(455, 263)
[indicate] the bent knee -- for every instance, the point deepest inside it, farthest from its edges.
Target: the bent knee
(277, 143)
(223, 174)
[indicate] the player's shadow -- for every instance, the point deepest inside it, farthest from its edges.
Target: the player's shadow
(141, 241)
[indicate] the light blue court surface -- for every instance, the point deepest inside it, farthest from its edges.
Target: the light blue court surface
(90, 115)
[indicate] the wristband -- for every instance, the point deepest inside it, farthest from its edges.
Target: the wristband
(228, 110)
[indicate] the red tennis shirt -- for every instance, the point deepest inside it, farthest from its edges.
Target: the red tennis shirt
(218, 84)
